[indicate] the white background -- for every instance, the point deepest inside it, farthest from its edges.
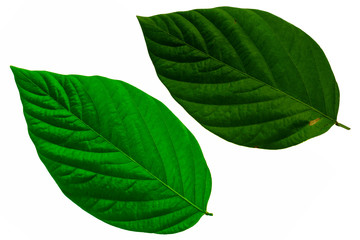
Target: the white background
(309, 191)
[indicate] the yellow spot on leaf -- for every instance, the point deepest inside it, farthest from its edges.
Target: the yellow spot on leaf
(313, 122)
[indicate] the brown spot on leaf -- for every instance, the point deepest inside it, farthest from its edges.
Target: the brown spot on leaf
(313, 122)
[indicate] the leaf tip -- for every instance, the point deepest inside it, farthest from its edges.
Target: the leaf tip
(143, 20)
(13, 68)
(140, 17)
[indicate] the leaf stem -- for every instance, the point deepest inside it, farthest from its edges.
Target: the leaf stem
(341, 125)
(209, 214)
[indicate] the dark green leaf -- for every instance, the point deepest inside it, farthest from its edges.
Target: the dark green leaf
(115, 151)
(245, 75)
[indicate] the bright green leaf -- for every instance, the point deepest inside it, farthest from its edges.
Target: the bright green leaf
(245, 75)
(115, 151)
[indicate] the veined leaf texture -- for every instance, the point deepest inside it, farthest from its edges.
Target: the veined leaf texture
(115, 151)
(246, 75)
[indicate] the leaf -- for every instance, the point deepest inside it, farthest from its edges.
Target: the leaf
(245, 75)
(115, 151)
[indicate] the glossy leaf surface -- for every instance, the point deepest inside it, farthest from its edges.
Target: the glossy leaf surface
(245, 75)
(115, 151)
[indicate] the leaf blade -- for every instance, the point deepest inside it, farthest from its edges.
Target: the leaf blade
(243, 53)
(88, 131)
